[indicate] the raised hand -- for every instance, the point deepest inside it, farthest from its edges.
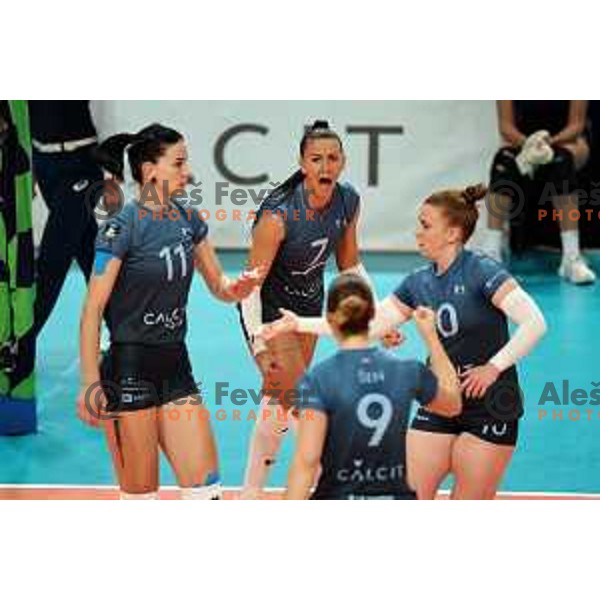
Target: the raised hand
(392, 338)
(245, 284)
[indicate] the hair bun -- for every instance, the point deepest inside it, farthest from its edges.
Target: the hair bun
(320, 124)
(473, 193)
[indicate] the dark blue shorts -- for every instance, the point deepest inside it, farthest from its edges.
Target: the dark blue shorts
(137, 376)
(495, 431)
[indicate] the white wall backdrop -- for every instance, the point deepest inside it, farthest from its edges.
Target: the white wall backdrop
(443, 144)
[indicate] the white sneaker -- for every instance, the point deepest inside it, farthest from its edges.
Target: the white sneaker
(575, 270)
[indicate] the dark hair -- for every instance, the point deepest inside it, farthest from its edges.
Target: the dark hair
(350, 304)
(319, 130)
(460, 207)
(147, 145)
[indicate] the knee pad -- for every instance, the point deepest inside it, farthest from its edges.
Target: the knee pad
(504, 170)
(559, 173)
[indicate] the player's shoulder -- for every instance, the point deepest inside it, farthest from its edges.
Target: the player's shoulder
(281, 198)
(326, 367)
(403, 365)
(349, 196)
(420, 274)
(478, 259)
(348, 190)
(130, 209)
(123, 219)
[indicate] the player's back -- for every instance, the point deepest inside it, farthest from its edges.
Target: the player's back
(366, 395)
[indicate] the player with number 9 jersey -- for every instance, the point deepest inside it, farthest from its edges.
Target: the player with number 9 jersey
(354, 407)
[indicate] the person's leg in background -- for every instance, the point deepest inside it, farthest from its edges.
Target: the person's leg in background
(65, 180)
(561, 173)
(506, 190)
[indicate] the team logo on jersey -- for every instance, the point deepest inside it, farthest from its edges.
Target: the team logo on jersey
(111, 231)
(459, 289)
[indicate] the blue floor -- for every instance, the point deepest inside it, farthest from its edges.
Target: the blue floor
(552, 456)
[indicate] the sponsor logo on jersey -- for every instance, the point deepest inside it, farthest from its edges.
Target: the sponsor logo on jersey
(359, 473)
(170, 320)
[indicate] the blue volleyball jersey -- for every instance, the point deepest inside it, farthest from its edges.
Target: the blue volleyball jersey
(149, 300)
(366, 395)
(295, 280)
(471, 328)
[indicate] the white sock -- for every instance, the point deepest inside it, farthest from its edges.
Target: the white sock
(570, 243)
(269, 431)
(144, 496)
(202, 492)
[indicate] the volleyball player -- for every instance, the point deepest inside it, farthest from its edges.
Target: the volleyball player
(144, 392)
(302, 222)
(354, 407)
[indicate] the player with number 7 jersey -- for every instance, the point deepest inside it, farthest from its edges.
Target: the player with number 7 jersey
(298, 227)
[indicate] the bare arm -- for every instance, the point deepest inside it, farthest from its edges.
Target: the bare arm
(389, 313)
(507, 125)
(307, 457)
(99, 291)
(447, 401)
(575, 124)
(90, 401)
(267, 236)
(346, 254)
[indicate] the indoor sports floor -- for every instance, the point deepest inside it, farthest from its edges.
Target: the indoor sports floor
(554, 458)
